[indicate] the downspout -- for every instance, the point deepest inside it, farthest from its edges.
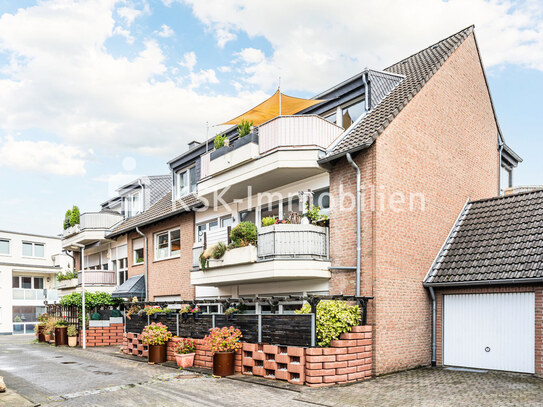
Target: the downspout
(358, 239)
(73, 258)
(500, 148)
(145, 260)
(434, 322)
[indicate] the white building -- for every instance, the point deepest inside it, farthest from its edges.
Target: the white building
(28, 267)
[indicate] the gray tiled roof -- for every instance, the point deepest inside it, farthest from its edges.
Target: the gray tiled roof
(418, 69)
(497, 239)
(163, 209)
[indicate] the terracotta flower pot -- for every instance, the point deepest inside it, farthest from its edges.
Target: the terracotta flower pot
(61, 336)
(157, 353)
(47, 337)
(223, 363)
(72, 341)
(185, 360)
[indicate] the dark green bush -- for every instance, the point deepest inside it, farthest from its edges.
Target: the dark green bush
(244, 234)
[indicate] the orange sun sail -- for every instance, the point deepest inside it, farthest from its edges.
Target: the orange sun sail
(278, 104)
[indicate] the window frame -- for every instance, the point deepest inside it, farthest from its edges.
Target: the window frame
(33, 244)
(137, 263)
(129, 200)
(169, 234)
(191, 187)
(8, 241)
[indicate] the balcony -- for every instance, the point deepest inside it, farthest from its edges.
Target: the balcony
(97, 278)
(92, 227)
(27, 296)
(284, 252)
(283, 150)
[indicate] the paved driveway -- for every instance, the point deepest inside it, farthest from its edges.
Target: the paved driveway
(72, 377)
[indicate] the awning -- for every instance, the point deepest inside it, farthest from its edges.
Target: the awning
(269, 109)
(133, 287)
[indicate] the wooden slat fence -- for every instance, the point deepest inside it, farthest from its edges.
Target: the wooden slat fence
(71, 313)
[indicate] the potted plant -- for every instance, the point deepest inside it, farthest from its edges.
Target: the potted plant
(61, 334)
(223, 342)
(155, 336)
(184, 351)
(49, 328)
(39, 328)
(185, 311)
(72, 336)
(230, 311)
(196, 311)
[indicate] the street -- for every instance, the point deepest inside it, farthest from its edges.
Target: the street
(50, 376)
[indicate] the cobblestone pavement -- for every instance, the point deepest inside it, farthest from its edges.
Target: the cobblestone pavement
(97, 378)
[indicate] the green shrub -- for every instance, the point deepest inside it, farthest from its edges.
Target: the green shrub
(74, 216)
(219, 251)
(72, 331)
(67, 217)
(92, 300)
(67, 276)
(268, 221)
(219, 141)
(244, 234)
(333, 319)
(244, 128)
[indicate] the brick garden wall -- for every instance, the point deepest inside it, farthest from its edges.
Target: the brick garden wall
(103, 336)
(443, 145)
(537, 289)
(171, 276)
(348, 359)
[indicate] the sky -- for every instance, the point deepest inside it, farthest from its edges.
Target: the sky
(95, 93)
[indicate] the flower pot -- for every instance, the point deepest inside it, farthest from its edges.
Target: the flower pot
(47, 338)
(223, 363)
(72, 341)
(185, 360)
(157, 353)
(61, 336)
(41, 333)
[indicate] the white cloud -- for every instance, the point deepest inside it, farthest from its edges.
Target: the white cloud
(42, 157)
(124, 33)
(129, 14)
(317, 44)
(189, 61)
(165, 31)
(224, 36)
(61, 79)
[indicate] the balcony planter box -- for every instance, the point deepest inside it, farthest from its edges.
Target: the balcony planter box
(241, 255)
(240, 142)
(67, 283)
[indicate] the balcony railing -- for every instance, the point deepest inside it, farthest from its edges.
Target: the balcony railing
(97, 278)
(304, 131)
(286, 241)
(28, 294)
(94, 220)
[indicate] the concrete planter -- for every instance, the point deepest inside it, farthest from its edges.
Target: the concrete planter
(241, 255)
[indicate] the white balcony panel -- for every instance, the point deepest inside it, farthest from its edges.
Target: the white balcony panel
(292, 241)
(97, 277)
(99, 220)
(204, 165)
(296, 131)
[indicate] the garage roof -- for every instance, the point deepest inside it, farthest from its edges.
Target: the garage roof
(496, 240)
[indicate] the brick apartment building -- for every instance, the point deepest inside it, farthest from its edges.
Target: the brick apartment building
(425, 137)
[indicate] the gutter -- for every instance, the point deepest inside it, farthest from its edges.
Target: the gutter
(527, 280)
(146, 262)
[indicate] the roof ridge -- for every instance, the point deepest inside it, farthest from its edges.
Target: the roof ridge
(495, 198)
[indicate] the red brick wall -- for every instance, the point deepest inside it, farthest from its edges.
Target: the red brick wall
(103, 336)
(443, 145)
(167, 277)
(537, 289)
(348, 359)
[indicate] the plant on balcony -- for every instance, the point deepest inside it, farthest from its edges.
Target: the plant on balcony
(314, 215)
(244, 128)
(67, 219)
(333, 319)
(74, 216)
(219, 250)
(220, 140)
(67, 276)
(268, 221)
(244, 234)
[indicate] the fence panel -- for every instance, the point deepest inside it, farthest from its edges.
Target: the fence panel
(71, 313)
(286, 329)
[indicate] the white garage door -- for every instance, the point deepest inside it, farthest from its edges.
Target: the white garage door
(489, 331)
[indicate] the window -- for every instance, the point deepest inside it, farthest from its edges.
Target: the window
(248, 216)
(26, 282)
(33, 249)
(322, 198)
(38, 283)
(121, 267)
(228, 221)
(133, 204)
(185, 181)
(331, 118)
(351, 113)
(15, 281)
(269, 210)
(167, 244)
(4, 247)
(290, 205)
(139, 255)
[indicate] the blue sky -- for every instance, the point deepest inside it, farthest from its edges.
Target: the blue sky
(94, 93)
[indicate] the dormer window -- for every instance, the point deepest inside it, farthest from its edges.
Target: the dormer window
(133, 204)
(185, 181)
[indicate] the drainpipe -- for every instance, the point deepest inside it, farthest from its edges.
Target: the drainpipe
(358, 239)
(434, 316)
(500, 148)
(145, 262)
(73, 258)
